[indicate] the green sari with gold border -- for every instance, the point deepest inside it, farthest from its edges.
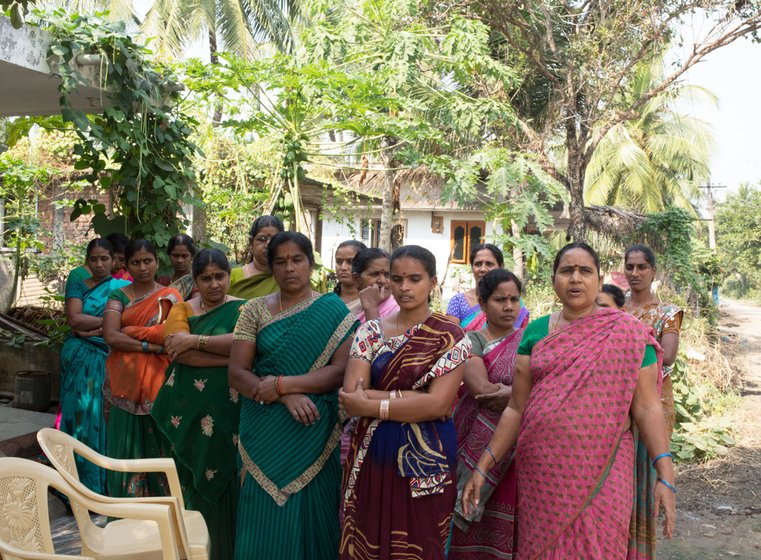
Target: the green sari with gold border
(290, 473)
(198, 413)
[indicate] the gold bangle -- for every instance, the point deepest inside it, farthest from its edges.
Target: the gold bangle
(384, 409)
(203, 340)
(392, 394)
(398, 393)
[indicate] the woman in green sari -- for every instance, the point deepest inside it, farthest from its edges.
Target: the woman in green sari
(83, 358)
(255, 279)
(196, 411)
(288, 357)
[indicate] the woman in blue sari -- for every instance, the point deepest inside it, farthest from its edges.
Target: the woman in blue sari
(83, 358)
(464, 306)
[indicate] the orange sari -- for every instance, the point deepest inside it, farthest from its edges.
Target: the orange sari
(133, 379)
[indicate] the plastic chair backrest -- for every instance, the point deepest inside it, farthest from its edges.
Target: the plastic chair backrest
(24, 516)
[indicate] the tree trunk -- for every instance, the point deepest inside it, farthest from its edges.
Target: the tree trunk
(577, 230)
(518, 266)
(387, 209)
(214, 60)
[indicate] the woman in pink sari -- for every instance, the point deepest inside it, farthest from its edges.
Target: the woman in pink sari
(580, 373)
(371, 269)
(489, 531)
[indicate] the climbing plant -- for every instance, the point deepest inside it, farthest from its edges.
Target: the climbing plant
(139, 146)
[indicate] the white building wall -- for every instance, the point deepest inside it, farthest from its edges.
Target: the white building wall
(417, 232)
(333, 233)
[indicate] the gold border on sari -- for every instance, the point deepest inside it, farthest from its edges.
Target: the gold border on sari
(280, 495)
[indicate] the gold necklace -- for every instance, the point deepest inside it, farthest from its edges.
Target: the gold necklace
(408, 328)
(280, 300)
(491, 335)
(150, 291)
(557, 321)
(206, 309)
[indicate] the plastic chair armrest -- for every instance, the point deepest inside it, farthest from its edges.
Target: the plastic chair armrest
(166, 466)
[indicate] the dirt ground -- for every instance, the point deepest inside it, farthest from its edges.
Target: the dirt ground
(719, 503)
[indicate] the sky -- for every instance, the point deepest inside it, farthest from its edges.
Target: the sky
(731, 73)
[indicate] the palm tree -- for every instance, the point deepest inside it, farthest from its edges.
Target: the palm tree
(655, 160)
(233, 25)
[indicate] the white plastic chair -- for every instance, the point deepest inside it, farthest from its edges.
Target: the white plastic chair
(143, 531)
(190, 529)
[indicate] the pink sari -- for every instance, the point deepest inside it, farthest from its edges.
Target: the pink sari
(489, 532)
(575, 469)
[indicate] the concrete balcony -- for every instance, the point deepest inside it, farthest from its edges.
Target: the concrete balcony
(26, 84)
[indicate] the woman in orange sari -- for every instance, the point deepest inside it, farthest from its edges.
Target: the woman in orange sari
(133, 329)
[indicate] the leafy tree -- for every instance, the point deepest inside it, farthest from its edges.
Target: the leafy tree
(577, 58)
(518, 195)
(655, 160)
(19, 187)
(139, 146)
(738, 223)
(416, 78)
(397, 87)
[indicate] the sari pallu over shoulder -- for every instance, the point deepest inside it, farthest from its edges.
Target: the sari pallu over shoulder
(299, 340)
(133, 379)
(584, 377)
(398, 486)
(476, 424)
(198, 413)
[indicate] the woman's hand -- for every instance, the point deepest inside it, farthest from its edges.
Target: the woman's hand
(180, 342)
(87, 334)
(132, 331)
(266, 390)
(301, 408)
(372, 296)
(497, 400)
(471, 492)
(665, 497)
(355, 403)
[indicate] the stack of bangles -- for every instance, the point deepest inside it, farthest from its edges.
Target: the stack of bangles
(147, 348)
(662, 481)
(203, 340)
(383, 413)
(278, 388)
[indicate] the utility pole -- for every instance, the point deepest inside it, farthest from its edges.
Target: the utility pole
(712, 230)
(711, 225)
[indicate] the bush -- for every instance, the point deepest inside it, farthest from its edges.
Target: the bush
(707, 377)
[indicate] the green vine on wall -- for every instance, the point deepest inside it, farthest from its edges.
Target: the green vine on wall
(139, 146)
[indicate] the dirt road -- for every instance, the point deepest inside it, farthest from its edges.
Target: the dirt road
(719, 503)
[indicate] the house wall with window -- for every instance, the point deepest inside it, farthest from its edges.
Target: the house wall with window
(445, 232)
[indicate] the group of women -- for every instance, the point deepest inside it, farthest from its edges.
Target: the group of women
(362, 423)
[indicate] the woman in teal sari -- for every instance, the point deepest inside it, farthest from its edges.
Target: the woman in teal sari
(297, 344)
(196, 410)
(83, 358)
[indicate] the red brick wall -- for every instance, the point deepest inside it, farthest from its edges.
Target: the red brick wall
(76, 231)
